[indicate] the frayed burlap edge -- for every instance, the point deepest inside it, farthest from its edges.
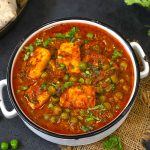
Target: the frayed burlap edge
(135, 128)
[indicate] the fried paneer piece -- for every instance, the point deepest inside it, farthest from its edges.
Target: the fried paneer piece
(78, 97)
(38, 62)
(69, 54)
(36, 98)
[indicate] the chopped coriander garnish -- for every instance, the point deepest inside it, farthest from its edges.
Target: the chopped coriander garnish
(67, 84)
(60, 36)
(91, 117)
(38, 42)
(86, 128)
(97, 107)
(116, 54)
(29, 51)
(70, 34)
(29, 48)
(47, 42)
(62, 66)
(26, 57)
(44, 86)
(42, 42)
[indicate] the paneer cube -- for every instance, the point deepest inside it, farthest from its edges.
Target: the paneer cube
(69, 54)
(36, 98)
(38, 62)
(78, 97)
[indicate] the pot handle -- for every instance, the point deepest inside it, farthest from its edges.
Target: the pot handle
(6, 113)
(137, 48)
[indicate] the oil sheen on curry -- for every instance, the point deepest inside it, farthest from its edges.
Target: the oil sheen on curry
(72, 78)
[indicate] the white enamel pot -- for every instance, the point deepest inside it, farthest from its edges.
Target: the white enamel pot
(86, 138)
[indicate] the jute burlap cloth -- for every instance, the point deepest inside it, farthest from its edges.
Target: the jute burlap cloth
(135, 128)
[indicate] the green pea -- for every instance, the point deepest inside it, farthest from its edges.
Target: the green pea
(73, 79)
(114, 78)
(54, 99)
(81, 80)
(107, 105)
(74, 120)
(53, 119)
(14, 144)
(50, 105)
(102, 98)
(62, 66)
(108, 80)
(64, 115)
(82, 66)
(123, 65)
(4, 146)
(57, 110)
(87, 72)
(46, 116)
(117, 107)
(66, 77)
(51, 90)
(100, 90)
(44, 74)
(88, 81)
(89, 35)
(67, 110)
(23, 88)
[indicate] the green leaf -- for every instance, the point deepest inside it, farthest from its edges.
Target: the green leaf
(38, 42)
(47, 42)
(60, 36)
(29, 48)
(62, 66)
(116, 54)
(70, 34)
(97, 107)
(44, 86)
(67, 84)
(91, 117)
(29, 52)
(26, 57)
(113, 142)
(144, 3)
(86, 128)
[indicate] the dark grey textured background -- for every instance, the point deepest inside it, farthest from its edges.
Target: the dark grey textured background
(129, 21)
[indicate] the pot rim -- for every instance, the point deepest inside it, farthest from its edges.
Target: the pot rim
(78, 136)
